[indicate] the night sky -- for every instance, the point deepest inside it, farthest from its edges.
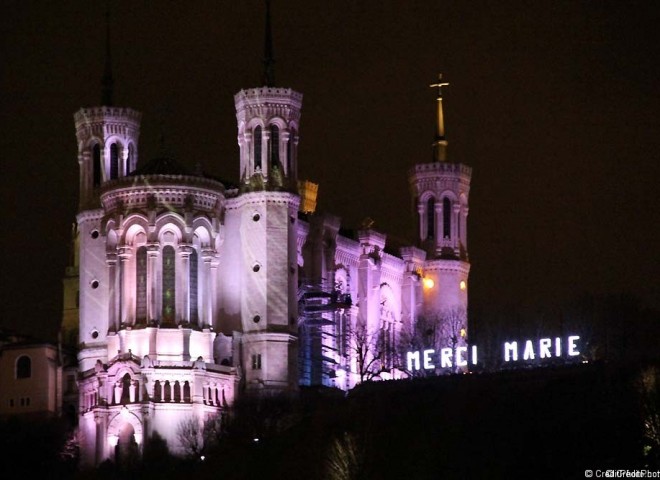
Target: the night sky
(555, 104)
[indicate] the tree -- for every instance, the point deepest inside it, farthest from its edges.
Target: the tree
(444, 329)
(197, 437)
(647, 386)
(345, 458)
(452, 324)
(370, 352)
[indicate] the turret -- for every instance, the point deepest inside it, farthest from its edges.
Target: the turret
(265, 215)
(440, 189)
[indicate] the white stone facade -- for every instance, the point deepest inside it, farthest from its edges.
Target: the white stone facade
(193, 293)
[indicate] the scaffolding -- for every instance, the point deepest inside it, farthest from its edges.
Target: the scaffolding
(323, 332)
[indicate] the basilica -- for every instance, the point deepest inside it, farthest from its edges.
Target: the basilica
(186, 292)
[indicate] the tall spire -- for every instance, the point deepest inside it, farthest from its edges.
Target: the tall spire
(439, 143)
(269, 60)
(107, 82)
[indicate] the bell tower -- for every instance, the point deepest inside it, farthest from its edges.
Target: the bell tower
(107, 138)
(440, 189)
(266, 214)
(268, 122)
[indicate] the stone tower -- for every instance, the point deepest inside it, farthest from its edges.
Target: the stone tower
(440, 189)
(265, 215)
(107, 138)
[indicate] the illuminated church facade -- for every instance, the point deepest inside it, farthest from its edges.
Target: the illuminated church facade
(193, 292)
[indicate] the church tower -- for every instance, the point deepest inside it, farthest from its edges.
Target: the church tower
(265, 215)
(107, 138)
(440, 189)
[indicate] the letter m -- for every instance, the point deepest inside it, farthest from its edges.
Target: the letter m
(410, 357)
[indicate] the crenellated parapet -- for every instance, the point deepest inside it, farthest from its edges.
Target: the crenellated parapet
(106, 121)
(270, 100)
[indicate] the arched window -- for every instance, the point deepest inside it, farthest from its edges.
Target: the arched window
(125, 390)
(167, 392)
(446, 217)
(114, 161)
(177, 392)
(157, 391)
(169, 279)
(186, 392)
(274, 146)
(23, 367)
(257, 148)
(141, 285)
(96, 165)
(430, 218)
(193, 288)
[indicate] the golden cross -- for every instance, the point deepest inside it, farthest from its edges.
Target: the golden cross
(440, 84)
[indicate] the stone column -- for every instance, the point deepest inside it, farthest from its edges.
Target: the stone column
(204, 290)
(184, 253)
(422, 220)
(124, 285)
(464, 214)
(213, 289)
(456, 217)
(284, 141)
(113, 316)
(101, 437)
(117, 392)
(247, 151)
(265, 152)
(85, 178)
(438, 234)
(131, 391)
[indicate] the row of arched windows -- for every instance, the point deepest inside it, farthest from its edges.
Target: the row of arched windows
(114, 163)
(168, 295)
(274, 150)
(171, 392)
(430, 218)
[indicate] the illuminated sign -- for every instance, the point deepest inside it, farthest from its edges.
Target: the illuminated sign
(513, 351)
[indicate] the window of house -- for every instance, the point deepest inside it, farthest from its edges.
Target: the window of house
(114, 161)
(257, 148)
(169, 282)
(23, 367)
(141, 285)
(446, 217)
(430, 218)
(256, 361)
(96, 165)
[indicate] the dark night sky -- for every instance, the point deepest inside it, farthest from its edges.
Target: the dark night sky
(553, 103)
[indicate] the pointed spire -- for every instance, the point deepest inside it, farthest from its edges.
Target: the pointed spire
(107, 82)
(440, 143)
(269, 60)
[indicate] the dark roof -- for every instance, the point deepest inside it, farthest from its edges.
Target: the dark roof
(163, 166)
